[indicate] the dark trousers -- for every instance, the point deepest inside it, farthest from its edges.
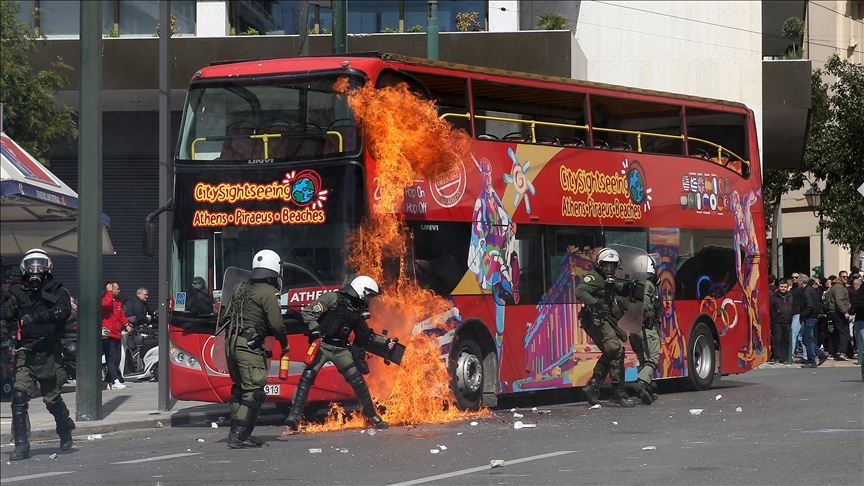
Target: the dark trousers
(780, 336)
(840, 336)
(111, 349)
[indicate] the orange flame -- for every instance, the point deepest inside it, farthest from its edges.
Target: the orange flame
(408, 141)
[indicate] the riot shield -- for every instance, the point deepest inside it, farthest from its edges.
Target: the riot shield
(634, 267)
(232, 278)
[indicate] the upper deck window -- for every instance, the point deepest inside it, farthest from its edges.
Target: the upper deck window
(267, 118)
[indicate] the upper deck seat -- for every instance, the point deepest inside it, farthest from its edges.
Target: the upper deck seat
(294, 140)
(239, 146)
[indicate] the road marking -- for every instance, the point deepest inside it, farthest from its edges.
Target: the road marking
(481, 468)
(159, 458)
(36, 476)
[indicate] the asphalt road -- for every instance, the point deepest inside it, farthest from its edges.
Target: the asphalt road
(771, 426)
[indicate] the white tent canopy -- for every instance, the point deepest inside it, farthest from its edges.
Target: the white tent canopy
(37, 209)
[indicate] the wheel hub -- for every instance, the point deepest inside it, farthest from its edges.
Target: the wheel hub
(469, 373)
(701, 361)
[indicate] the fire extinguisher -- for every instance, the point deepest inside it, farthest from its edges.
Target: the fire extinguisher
(283, 367)
(312, 352)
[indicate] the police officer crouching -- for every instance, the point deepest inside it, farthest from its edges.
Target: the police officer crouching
(33, 318)
(599, 319)
(253, 313)
(332, 318)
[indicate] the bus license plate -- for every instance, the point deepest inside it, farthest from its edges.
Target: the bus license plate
(271, 389)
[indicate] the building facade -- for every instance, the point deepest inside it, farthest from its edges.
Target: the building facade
(716, 49)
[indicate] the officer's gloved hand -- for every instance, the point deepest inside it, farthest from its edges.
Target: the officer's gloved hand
(314, 335)
(26, 320)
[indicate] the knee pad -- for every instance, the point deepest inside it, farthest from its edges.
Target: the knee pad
(19, 397)
(613, 348)
(355, 379)
(259, 396)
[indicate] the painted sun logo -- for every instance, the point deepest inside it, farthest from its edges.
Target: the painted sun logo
(306, 188)
(519, 181)
(639, 191)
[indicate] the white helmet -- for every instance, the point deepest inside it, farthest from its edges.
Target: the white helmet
(647, 262)
(364, 287)
(266, 263)
(35, 267)
(608, 261)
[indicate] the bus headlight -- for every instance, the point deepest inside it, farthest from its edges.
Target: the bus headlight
(184, 359)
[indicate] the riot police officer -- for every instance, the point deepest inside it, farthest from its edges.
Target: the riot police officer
(332, 318)
(253, 313)
(646, 344)
(599, 319)
(33, 318)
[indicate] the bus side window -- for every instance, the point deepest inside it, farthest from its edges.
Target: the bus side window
(532, 278)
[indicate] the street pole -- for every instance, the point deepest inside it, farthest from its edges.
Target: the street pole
(340, 29)
(166, 191)
(432, 31)
(88, 387)
(821, 247)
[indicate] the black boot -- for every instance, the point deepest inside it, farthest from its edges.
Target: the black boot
(64, 422)
(643, 391)
(620, 397)
(19, 426)
(301, 393)
(238, 436)
(592, 389)
(365, 398)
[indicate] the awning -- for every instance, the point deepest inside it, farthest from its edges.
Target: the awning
(37, 209)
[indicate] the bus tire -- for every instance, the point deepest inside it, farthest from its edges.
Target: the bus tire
(701, 357)
(466, 374)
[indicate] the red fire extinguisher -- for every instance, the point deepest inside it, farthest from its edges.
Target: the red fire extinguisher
(283, 367)
(312, 352)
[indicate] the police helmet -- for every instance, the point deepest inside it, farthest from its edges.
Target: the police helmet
(608, 261)
(649, 263)
(364, 288)
(266, 264)
(36, 267)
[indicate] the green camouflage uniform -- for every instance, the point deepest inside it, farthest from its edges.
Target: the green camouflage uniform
(599, 319)
(253, 311)
(39, 357)
(646, 344)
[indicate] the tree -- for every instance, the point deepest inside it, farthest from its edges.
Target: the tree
(553, 21)
(835, 149)
(793, 28)
(832, 157)
(31, 114)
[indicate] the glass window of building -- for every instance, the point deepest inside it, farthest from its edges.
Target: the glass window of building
(139, 17)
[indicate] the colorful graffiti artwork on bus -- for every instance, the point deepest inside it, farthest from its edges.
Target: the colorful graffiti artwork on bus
(748, 251)
(666, 242)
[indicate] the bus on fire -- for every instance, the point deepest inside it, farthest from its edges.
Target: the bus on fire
(537, 175)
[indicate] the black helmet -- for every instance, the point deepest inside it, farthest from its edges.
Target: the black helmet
(36, 268)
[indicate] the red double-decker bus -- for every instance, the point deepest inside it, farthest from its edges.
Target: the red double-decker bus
(270, 156)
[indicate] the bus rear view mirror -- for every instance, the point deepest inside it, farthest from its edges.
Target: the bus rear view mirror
(149, 241)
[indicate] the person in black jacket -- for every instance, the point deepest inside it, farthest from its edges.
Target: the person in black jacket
(797, 291)
(858, 310)
(810, 310)
(198, 301)
(781, 321)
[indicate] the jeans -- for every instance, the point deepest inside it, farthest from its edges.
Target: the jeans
(859, 340)
(812, 350)
(797, 333)
(112, 350)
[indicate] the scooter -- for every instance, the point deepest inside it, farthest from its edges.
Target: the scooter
(132, 365)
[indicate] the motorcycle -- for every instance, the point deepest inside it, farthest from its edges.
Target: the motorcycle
(141, 363)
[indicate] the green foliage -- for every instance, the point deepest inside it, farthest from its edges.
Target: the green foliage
(553, 21)
(833, 155)
(467, 22)
(416, 28)
(322, 31)
(250, 31)
(835, 149)
(174, 29)
(31, 114)
(389, 30)
(113, 33)
(793, 28)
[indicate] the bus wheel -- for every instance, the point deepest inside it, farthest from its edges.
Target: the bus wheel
(466, 374)
(701, 357)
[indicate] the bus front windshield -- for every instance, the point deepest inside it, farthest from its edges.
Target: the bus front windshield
(277, 117)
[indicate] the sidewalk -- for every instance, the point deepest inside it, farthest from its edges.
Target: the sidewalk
(135, 407)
